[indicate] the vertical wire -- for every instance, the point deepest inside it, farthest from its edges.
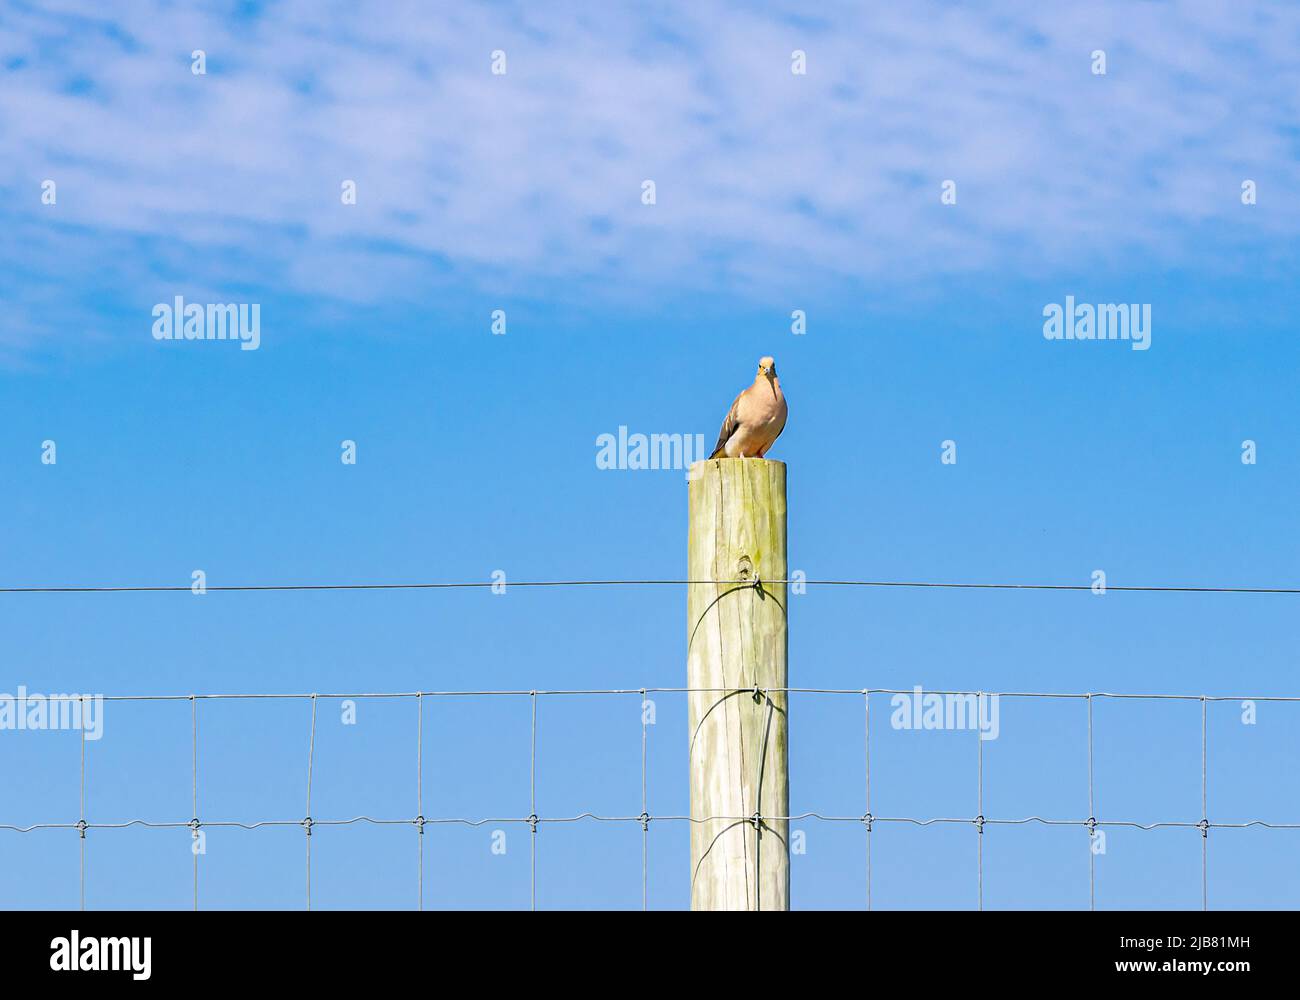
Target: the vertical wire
(1092, 815)
(532, 792)
(758, 808)
(979, 739)
(645, 813)
(866, 730)
(194, 723)
(82, 824)
(419, 793)
(311, 757)
(1205, 821)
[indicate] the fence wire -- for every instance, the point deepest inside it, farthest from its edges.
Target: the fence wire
(535, 822)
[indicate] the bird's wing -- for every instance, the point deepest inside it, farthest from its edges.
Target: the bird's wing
(729, 426)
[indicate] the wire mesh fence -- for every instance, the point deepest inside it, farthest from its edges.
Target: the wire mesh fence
(534, 822)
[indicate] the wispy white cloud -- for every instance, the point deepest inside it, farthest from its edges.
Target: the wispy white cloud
(767, 181)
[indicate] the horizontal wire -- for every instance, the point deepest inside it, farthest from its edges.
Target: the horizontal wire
(505, 584)
(529, 820)
(561, 692)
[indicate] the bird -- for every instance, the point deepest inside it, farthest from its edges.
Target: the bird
(755, 419)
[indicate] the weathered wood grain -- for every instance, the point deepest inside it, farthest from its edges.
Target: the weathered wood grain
(737, 639)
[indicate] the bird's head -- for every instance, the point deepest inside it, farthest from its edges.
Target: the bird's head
(767, 368)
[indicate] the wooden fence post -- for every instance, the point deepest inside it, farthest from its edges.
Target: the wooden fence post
(737, 645)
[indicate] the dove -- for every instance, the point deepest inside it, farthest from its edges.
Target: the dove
(755, 419)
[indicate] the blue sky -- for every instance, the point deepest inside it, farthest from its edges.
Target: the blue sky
(775, 192)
